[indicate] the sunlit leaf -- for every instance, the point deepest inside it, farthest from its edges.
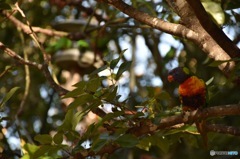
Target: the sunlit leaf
(209, 81)
(46, 151)
(82, 43)
(30, 148)
(145, 143)
(63, 43)
(181, 129)
(215, 10)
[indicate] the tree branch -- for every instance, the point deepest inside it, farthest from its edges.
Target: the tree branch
(27, 30)
(171, 28)
(191, 28)
(219, 128)
(205, 41)
(216, 33)
(146, 126)
(18, 58)
(44, 68)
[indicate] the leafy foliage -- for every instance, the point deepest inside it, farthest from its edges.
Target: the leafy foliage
(46, 128)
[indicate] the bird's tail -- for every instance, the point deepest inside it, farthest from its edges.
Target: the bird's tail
(201, 129)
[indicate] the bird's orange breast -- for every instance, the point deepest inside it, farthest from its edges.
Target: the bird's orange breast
(192, 86)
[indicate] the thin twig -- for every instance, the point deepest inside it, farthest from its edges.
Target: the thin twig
(25, 28)
(44, 68)
(5, 71)
(18, 58)
(27, 80)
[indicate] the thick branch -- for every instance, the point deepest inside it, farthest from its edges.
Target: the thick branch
(223, 129)
(193, 116)
(147, 127)
(191, 29)
(216, 33)
(171, 28)
(205, 40)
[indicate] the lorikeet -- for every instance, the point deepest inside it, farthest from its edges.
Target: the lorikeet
(192, 93)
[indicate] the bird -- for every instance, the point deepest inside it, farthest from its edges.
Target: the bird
(192, 93)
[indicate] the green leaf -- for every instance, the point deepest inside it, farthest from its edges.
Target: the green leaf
(127, 140)
(43, 139)
(63, 43)
(104, 67)
(184, 128)
(170, 54)
(209, 81)
(8, 96)
(113, 115)
(94, 104)
(98, 144)
(67, 122)
(72, 135)
(215, 10)
(47, 151)
(90, 130)
(74, 93)
(155, 140)
(123, 67)
(145, 143)
(112, 94)
(162, 143)
(76, 118)
(82, 43)
(114, 62)
(217, 63)
(81, 100)
(58, 138)
(94, 84)
(30, 148)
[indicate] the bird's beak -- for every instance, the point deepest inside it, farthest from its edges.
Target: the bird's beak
(170, 78)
